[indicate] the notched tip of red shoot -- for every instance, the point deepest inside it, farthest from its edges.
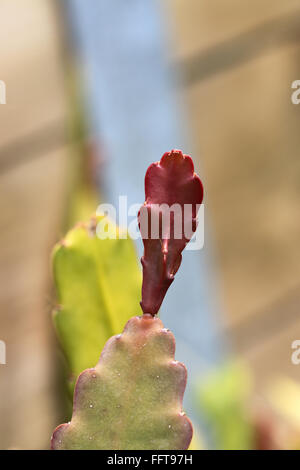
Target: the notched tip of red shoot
(176, 159)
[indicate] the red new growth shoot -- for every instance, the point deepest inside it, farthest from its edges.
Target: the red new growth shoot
(167, 222)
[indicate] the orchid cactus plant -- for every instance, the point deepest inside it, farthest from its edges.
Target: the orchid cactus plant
(132, 398)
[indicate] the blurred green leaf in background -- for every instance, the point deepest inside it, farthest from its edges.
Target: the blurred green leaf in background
(222, 399)
(98, 284)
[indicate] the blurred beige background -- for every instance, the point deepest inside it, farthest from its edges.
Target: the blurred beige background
(247, 134)
(32, 181)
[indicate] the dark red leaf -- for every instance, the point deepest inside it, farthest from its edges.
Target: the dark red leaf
(171, 181)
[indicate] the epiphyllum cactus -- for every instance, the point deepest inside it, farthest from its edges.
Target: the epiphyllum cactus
(170, 183)
(132, 399)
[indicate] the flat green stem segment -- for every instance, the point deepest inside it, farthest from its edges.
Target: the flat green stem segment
(132, 399)
(98, 283)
